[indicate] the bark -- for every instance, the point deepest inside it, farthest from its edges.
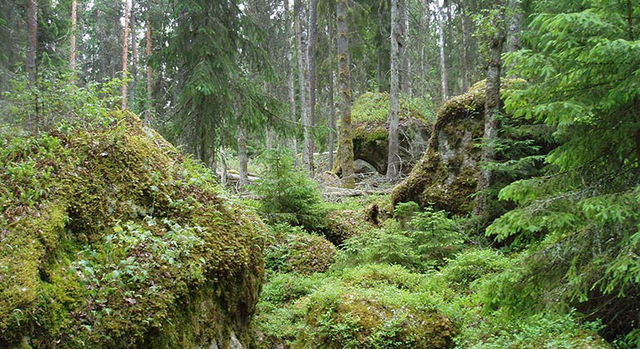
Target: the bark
(302, 73)
(74, 29)
(332, 106)
(149, 106)
(516, 16)
(291, 85)
(134, 60)
(345, 150)
(444, 79)
(125, 52)
(491, 112)
(393, 160)
(403, 42)
(32, 29)
(242, 157)
(309, 144)
(467, 32)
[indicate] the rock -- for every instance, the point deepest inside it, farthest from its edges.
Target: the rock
(135, 248)
(292, 250)
(361, 166)
(446, 175)
(370, 131)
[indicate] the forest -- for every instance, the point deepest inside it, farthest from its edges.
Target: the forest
(360, 174)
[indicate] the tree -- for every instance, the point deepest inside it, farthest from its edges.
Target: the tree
(125, 52)
(32, 28)
(134, 59)
(444, 78)
(74, 27)
(149, 106)
(393, 158)
(345, 150)
(330, 101)
(309, 144)
(291, 80)
(492, 108)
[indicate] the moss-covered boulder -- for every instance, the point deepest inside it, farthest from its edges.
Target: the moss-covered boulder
(374, 306)
(111, 238)
(292, 250)
(370, 114)
(446, 175)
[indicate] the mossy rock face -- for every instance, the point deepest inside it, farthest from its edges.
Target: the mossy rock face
(370, 114)
(111, 238)
(446, 176)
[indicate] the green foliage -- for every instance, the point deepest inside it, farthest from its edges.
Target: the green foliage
(371, 106)
(60, 103)
(472, 265)
(288, 194)
(430, 237)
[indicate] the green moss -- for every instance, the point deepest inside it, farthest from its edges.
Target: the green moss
(291, 250)
(110, 235)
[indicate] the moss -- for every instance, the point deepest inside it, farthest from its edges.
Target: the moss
(111, 236)
(446, 175)
(291, 250)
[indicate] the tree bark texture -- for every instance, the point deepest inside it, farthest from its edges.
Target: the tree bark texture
(290, 83)
(309, 144)
(403, 49)
(331, 103)
(74, 30)
(492, 109)
(444, 79)
(302, 73)
(242, 157)
(125, 52)
(516, 17)
(32, 37)
(345, 150)
(149, 106)
(134, 60)
(393, 160)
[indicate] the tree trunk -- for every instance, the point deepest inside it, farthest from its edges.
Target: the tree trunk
(134, 60)
(242, 158)
(516, 16)
(443, 61)
(74, 29)
(345, 150)
(491, 112)
(149, 106)
(32, 29)
(403, 43)
(309, 144)
(467, 32)
(393, 160)
(302, 73)
(291, 84)
(125, 52)
(332, 106)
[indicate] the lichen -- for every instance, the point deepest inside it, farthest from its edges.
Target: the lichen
(110, 237)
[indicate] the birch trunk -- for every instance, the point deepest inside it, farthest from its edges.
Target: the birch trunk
(243, 158)
(291, 84)
(302, 73)
(332, 106)
(32, 32)
(444, 79)
(134, 60)
(309, 144)
(149, 106)
(74, 29)
(345, 150)
(403, 43)
(393, 160)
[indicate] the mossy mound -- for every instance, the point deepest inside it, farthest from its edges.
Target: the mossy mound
(446, 175)
(370, 113)
(344, 224)
(292, 250)
(111, 238)
(375, 306)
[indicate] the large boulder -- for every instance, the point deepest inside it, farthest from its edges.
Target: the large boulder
(370, 114)
(111, 238)
(446, 175)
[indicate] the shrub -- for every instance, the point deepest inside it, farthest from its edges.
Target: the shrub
(471, 265)
(288, 195)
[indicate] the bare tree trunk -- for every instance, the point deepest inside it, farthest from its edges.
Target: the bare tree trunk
(32, 29)
(134, 60)
(309, 144)
(74, 29)
(345, 150)
(332, 106)
(516, 16)
(303, 70)
(444, 79)
(393, 160)
(291, 85)
(491, 112)
(125, 52)
(467, 32)
(403, 43)
(242, 157)
(149, 106)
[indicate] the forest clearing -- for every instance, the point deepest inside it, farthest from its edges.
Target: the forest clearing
(359, 174)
